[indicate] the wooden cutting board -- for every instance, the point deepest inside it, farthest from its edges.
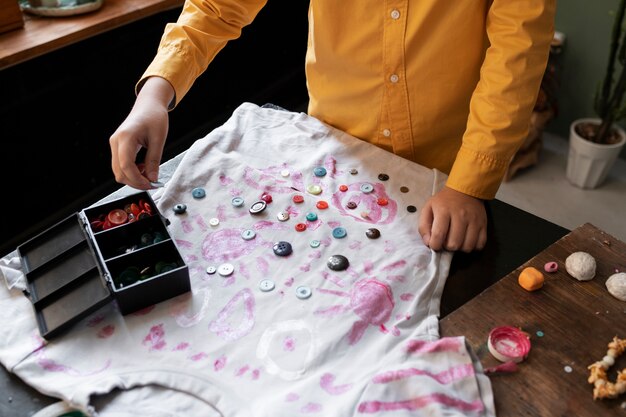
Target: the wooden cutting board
(575, 320)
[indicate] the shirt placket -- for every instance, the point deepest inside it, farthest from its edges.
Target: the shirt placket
(395, 128)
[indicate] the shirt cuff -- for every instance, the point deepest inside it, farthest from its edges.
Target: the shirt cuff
(476, 174)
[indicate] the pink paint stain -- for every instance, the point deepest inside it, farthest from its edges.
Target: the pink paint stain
(289, 282)
(242, 370)
(407, 296)
(326, 382)
(292, 397)
(315, 254)
(187, 228)
(289, 344)
(226, 244)
(262, 265)
(333, 224)
(293, 211)
(377, 214)
(306, 267)
(445, 344)
(191, 258)
(274, 182)
(106, 331)
(311, 408)
(371, 300)
(184, 244)
(53, 366)
(390, 247)
(155, 339)
(355, 245)
(331, 167)
(222, 212)
(242, 301)
(235, 192)
(255, 374)
(200, 222)
(224, 180)
(268, 225)
(243, 271)
(313, 225)
(395, 331)
(326, 242)
(333, 278)
(183, 317)
(228, 281)
(368, 267)
(413, 404)
(394, 265)
(181, 346)
(198, 356)
(395, 278)
(219, 363)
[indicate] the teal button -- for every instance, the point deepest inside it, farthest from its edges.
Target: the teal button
(198, 192)
(319, 171)
(339, 232)
(311, 217)
(315, 243)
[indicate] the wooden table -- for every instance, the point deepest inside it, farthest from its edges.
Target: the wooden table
(578, 320)
(41, 35)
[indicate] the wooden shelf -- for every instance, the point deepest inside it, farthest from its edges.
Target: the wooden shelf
(41, 35)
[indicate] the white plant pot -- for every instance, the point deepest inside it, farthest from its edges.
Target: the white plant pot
(589, 163)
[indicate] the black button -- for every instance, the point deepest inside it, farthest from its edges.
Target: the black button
(180, 208)
(338, 262)
(383, 177)
(282, 248)
(411, 209)
(372, 233)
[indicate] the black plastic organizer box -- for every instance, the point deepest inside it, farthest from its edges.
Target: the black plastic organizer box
(118, 251)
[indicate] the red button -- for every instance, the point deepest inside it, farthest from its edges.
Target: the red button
(266, 197)
(382, 201)
(343, 187)
(297, 199)
(117, 217)
(321, 205)
(300, 227)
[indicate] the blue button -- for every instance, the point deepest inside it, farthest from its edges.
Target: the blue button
(248, 234)
(311, 217)
(282, 248)
(319, 171)
(237, 201)
(367, 188)
(198, 192)
(339, 232)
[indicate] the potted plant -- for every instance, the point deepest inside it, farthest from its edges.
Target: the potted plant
(595, 143)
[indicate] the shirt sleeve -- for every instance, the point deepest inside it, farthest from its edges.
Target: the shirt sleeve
(188, 46)
(519, 36)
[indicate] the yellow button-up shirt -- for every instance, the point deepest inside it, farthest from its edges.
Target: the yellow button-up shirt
(448, 84)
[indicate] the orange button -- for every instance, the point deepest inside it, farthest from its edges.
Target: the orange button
(382, 201)
(343, 187)
(321, 205)
(297, 199)
(117, 217)
(300, 227)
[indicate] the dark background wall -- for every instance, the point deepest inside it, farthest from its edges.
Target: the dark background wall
(58, 111)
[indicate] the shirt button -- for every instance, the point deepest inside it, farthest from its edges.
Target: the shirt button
(211, 270)
(315, 243)
(319, 171)
(395, 14)
(300, 227)
(314, 189)
(338, 263)
(248, 234)
(282, 248)
(303, 292)
(394, 78)
(283, 216)
(266, 285)
(198, 193)
(311, 217)
(322, 205)
(258, 207)
(225, 269)
(372, 233)
(214, 221)
(367, 188)
(351, 205)
(284, 173)
(180, 208)
(343, 188)
(297, 199)
(237, 201)
(339, 232)
(386, 133)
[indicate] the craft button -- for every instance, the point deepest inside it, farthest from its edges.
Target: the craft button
(372, 233)
(319, 171)
(314, 189)
(282, 248)
(214, 221)
(315, 243)
(303, 292)
(248, 234)
(339, 232)
(411, 209)
(117, 217)
(311, 217)
(211, 270)
(351, 205)
(283, 216)
(338, 263)
(284, 173)
(404, 189)
(267, 198)
(354, 171)
(180, 208)
(365, 214)
(383, 177)
(300, 227)
(322, 205)
(382, 201)
(258, 207)
(266, 285)
(367, 188)
(297, 199)
(198, 192)
(343, 188)
(225, 269)
(237, 201)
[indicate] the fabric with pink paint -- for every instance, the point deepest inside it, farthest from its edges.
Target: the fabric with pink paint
(365, 342)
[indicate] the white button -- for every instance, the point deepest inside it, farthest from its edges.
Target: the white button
(303, 292)
(394, 78)
(386, 132)
(395, 14)
(225, 269)
(211, 270)
(266, 285)
(248, 234)
(214, 221)
(283, 216)
(284, 173)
